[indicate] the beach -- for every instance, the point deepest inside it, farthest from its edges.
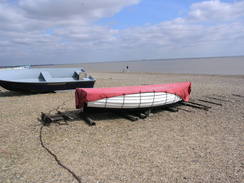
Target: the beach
(190, 145)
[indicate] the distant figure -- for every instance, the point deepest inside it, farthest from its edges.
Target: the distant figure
(126, 69)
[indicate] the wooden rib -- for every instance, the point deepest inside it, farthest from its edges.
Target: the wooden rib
(195, 106)
(195, 103)
(210, 102)
(237, 95)
(214, 98)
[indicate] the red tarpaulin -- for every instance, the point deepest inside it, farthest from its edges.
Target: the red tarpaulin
(84, 95)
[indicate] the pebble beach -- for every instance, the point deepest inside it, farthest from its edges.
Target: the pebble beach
(190, 145)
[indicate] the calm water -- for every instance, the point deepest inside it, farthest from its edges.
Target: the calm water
(220, 66)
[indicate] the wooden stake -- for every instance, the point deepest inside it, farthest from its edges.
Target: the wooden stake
(87, 119)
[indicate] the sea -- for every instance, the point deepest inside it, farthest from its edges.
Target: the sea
(231, 65)
(213, 65)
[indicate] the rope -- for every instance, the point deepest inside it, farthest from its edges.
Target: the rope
(140, 101)
(153, 97)
(50, 152)
(174, 98)
(106, 101)
(166, 98)
(58, 107)
(123, 101)
(56, 158)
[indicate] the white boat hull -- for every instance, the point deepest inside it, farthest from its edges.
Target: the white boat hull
(138, 100)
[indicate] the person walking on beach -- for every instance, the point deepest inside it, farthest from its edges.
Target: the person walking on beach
(126, 69)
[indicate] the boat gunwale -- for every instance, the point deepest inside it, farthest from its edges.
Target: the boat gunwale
(48, 82)
(89, 78)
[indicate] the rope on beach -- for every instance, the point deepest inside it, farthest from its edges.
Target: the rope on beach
(58, 107)
(55, 157)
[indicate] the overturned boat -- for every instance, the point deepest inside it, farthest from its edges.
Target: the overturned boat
(39, 80)
(132, 97)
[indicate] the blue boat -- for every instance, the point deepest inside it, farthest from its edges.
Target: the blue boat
(41, 80)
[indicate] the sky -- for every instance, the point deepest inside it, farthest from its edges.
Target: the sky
(76, 31)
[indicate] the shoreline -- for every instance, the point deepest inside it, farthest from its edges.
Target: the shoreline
(179, 74)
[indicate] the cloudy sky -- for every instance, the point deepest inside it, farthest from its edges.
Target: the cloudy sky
(75, 31)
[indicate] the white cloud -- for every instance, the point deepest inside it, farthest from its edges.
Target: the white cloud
(61, 31)
(216, 10)
(78, 10)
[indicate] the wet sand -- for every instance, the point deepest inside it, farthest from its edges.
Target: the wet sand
(196, 146)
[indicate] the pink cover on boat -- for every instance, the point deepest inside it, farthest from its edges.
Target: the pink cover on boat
(84, 95)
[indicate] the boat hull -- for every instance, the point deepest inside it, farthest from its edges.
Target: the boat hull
(45, 87)
(40, 80)
(139, 100)
(127, 97)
